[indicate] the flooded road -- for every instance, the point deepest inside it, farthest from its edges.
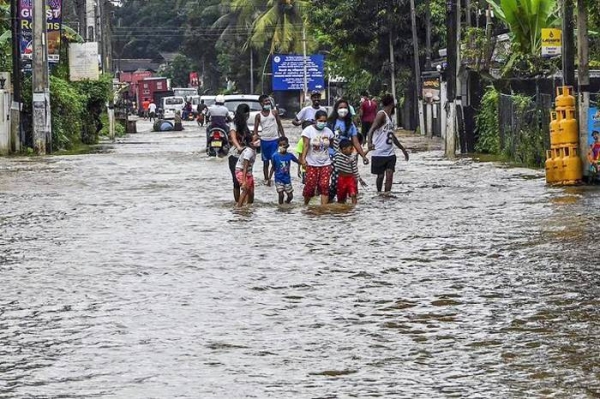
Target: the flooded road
(129, 274)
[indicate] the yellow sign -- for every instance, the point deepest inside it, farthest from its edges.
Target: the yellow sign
(551, 42)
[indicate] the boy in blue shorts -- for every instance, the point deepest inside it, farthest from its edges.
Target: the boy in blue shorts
(282, 162)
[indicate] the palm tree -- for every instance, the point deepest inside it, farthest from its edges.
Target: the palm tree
(280, 25)
(237, 17)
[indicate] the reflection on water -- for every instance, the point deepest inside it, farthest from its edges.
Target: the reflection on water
(130, 274)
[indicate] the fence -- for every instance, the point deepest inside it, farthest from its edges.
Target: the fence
(524, 127)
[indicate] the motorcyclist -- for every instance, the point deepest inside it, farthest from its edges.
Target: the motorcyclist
(219, 117)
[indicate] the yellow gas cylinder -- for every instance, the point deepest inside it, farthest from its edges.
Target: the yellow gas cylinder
(550, 173)
(554, 126)
(564, 97)
(572, 166)
(557, 165)
(568, 127)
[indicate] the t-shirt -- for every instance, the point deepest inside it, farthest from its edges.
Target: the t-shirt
(382, 139)
(369, 110)
(145, 105)
(152, 107)
(299, 149)
(248, 154)
(319, 143)
(233, 151)
(339, 132)
(282, 164)
(308, 113)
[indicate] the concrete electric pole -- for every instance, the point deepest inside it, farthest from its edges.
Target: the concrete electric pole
(583, 72)
(452, 56)
(42, 136)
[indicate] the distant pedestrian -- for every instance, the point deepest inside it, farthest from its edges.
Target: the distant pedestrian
(306, 116)
(317, 139)
(201, 111)
(178, 126)
(243, 171)
(272, 129)
(381, 140)
(145, 106)
(367, 113)
(152, 110)
(282, 163)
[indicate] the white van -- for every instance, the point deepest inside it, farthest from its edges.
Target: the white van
(170, 105)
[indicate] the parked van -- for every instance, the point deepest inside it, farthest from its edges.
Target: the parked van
(172, 104)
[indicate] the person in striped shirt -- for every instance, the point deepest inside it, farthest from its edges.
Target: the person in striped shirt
(345, 163)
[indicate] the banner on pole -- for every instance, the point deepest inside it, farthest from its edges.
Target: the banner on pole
(83, 61)
(551, 42)
(288, 72)
(53, 28)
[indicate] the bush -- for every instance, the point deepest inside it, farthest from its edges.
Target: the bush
(487, 125)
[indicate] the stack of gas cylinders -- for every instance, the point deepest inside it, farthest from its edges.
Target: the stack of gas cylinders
(563, 165)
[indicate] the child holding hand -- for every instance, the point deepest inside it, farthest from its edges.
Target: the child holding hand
(281, 165)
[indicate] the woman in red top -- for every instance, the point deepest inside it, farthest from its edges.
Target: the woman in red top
(367, 112)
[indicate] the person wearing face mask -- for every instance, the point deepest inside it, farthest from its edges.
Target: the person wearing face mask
(239, 137)
(317, 139)
(340, 122)
(381, 140)
(306, 116)
(272, 129)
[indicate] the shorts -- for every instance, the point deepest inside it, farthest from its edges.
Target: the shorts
(284, 187)
(232, 163)
(239, 174)
(380, 164)
(268, 148)
(317, 177)
(346, 187)
(152, 114)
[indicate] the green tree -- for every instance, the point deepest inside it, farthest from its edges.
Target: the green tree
(280, 26)
(526, 19)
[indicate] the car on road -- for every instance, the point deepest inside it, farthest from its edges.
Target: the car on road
(170, 105)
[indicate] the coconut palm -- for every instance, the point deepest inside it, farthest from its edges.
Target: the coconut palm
(280, 26)
(237, 18)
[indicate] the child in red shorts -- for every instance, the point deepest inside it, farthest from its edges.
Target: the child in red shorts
(243, 170)
(346, 165)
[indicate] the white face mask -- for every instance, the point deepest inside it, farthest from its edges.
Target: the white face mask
(343, 112)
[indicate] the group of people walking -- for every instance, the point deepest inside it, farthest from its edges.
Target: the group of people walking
(327, 152)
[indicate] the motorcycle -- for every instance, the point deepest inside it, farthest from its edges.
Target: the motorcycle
(218, 143)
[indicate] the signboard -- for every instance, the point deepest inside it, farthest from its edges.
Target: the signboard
(551, 42)
(431, 88)
(53, 28)
(594, 138)
(83, 61)
(194, 79)
(288, 72)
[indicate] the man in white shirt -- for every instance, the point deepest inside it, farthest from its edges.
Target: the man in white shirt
(306, 116)
(152, 110)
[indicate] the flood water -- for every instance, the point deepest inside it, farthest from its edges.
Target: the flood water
(129, 274)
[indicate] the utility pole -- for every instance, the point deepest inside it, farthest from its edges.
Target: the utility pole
(418, 91)
(90, 21)
(392, 67)
(15, 109)
(451, 21)
(428, 35)
(583, 71)
(41, 98)
(305, 62)
(568, 55)
(251, 72)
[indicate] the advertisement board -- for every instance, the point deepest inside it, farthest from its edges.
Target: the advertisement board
(594, 138)
(551, 42)
(83, 61)
(53, 27)
(288, 72)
